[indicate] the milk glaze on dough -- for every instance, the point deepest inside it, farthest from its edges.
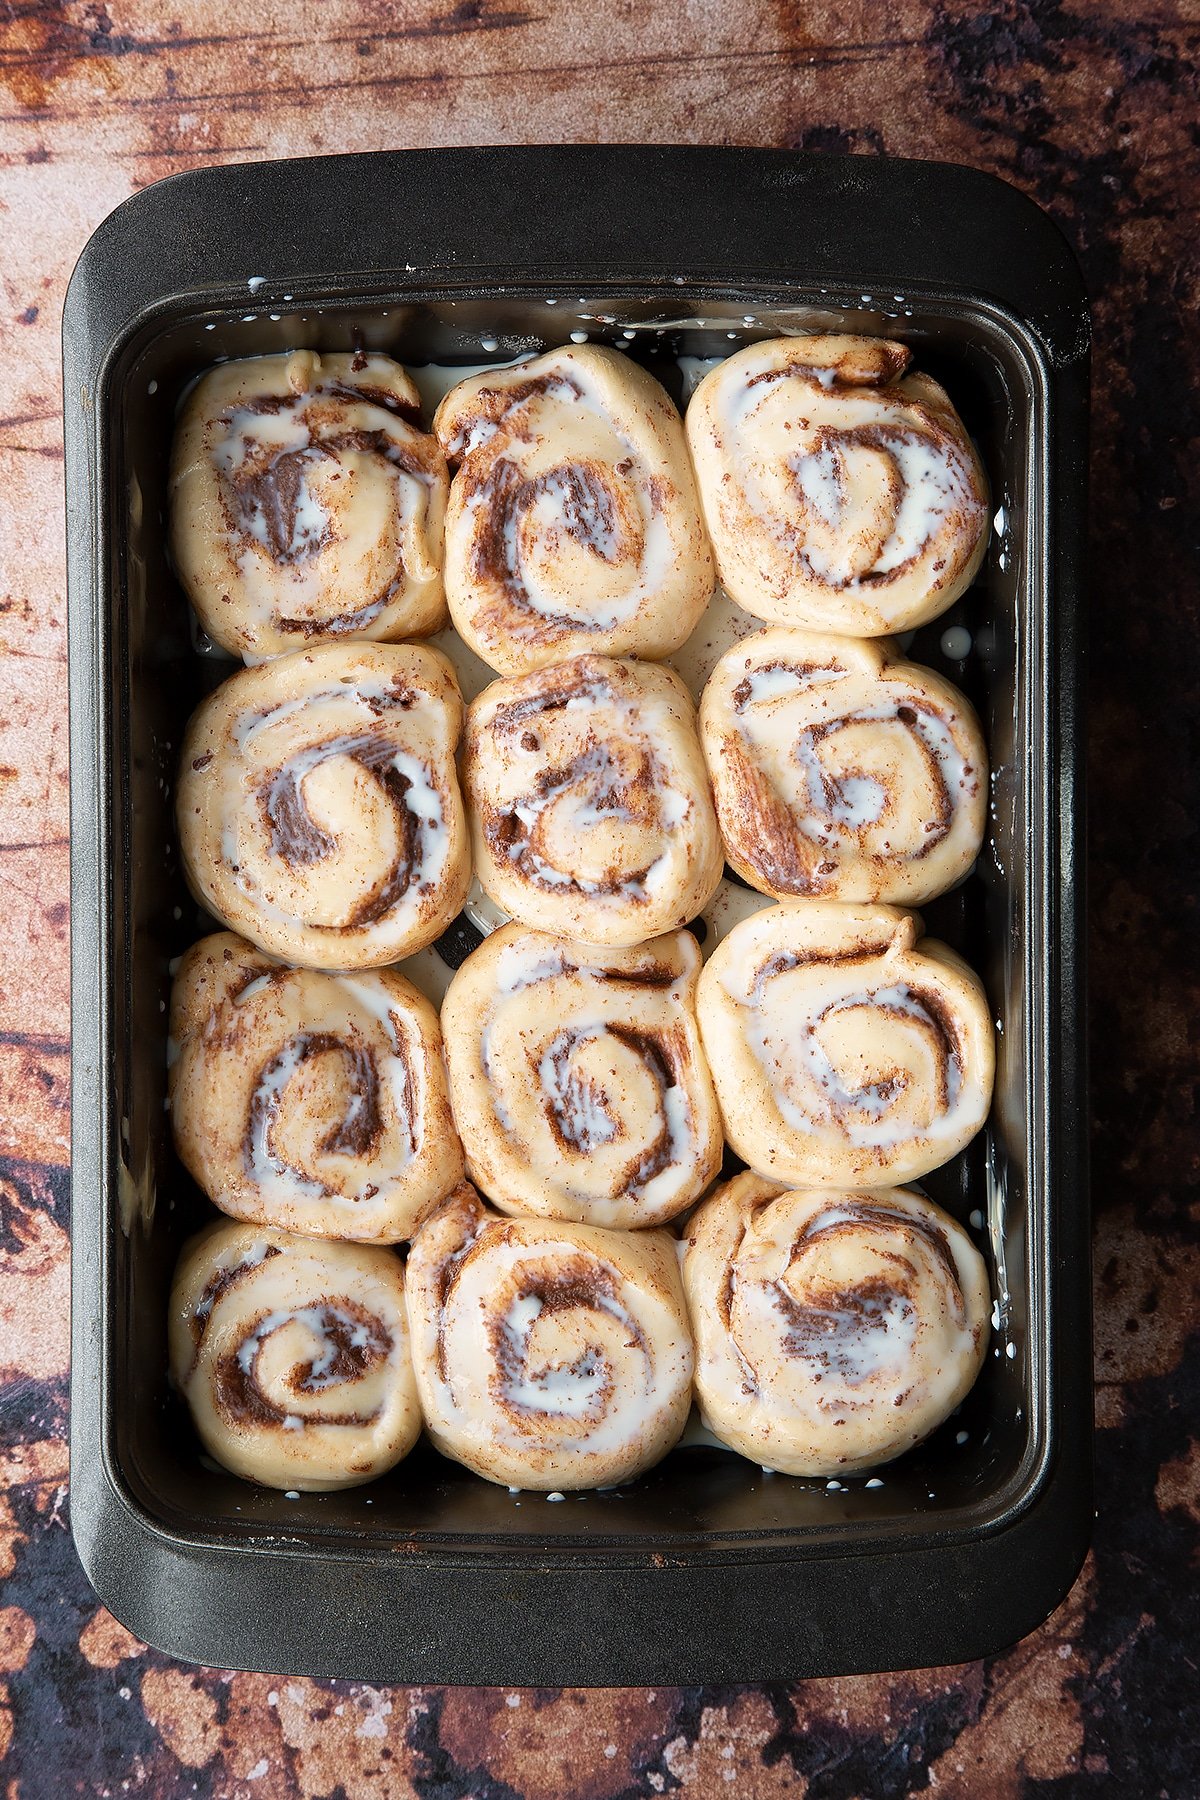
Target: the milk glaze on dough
(318, 803)
(840, 770)
(833, 1329)
(293, 1355)
(548, 1355)
(841, 493)
(591, 814)
(845, 1049)
(311, 1101)
(573, 522)
(307, 504)
(580, 1087)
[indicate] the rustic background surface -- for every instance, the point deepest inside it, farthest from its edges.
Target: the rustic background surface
(1092, 109)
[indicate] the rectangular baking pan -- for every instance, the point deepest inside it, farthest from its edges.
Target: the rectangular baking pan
(706, 1570)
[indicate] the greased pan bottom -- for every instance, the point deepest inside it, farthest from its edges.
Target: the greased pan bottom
(430, 1574)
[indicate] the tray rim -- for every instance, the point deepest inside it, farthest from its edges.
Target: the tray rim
(103, 1507)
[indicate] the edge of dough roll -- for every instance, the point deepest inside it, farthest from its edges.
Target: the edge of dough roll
(846, 1050)
(307, 504)
(834, 1330)
(589, 800)
(579, 1084)
(293, 1355)
(841, 770)
(310, 1101)
(548, 1355)
(841, 492)
(573, 523)
(318, 803)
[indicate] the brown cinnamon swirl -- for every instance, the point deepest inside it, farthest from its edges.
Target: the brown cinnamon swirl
(307, 504)
(310, 1101)
(547, 1355)
(840, 492)
(573, 521)
(834, 1330)
(293, 1356)
(579, 1084)
(841, 771)
(590, 809)
(843, 1049)
(318, 804)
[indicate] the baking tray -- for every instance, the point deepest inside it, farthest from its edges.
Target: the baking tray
(705, 1570)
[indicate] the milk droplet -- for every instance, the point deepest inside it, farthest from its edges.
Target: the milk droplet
(254, 282)
(579, 337)
(956, 643)
(556, 1496)
(489, 343)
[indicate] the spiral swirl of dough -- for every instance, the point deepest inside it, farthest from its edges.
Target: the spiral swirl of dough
(318, 804)
(573, 522)
(310, 1101)
(591, 815)
(833, 1330)
(293, 1355)
(580, 1088)
(840, 492)
(844, 1053)
(548, 1355)
(841, 771)
(307, 504)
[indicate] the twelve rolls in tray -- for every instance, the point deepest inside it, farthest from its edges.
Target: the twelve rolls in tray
(591, 1071)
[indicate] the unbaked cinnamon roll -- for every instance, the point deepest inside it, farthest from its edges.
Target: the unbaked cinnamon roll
(310, 1101)
(318, 804)
(841, 771)
(307, 504)
(293, 1356)
(833, 1330)
(590, 809)
(840, 492)
(547, 1355)
(845, 1050)
(573, 522)
(580, 1088)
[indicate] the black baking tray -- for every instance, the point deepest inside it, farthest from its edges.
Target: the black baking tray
(705, 1570)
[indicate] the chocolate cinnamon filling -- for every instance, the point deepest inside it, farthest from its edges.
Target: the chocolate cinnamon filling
(355, 1134)
(238, 1396)
(608, 787)
(492, 406)
(576, 1285)
(830, 1328)
(591, 515)
(218, 1285)
(297, 837)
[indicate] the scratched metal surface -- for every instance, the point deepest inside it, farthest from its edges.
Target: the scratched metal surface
(1092, 108)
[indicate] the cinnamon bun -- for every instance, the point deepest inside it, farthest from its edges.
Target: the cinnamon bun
(307, 504)
(580, 1088)
(841, 771)
(318, 804)
(845, 1050)
(591, 815)
(548, 1356)
(306, 1100)
(573, 522)
(840, 491)
(293, 1356)
(833, 1330)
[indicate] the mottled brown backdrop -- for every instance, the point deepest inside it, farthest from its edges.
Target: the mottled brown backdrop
(1092, 109)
